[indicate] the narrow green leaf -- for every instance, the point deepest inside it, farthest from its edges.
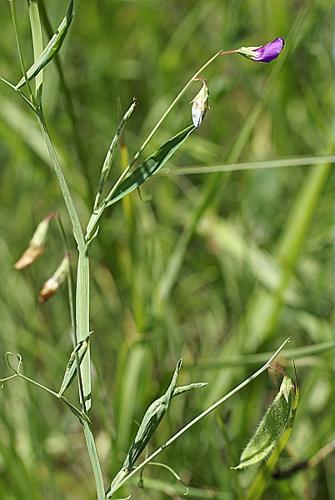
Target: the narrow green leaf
(110, 153)
(273, 425)
(51, 50)
(71, 368)
(149, 424)
(36, 32)
(185, 388)
(150, 166)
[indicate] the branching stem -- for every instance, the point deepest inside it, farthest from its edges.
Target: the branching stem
(199, 417)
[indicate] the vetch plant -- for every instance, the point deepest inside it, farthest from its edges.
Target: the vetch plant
(30, 89)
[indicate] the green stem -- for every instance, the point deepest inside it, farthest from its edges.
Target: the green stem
(96, 215)
(197, 419)
(37, 38)
(70, 108)
(6, 379)
(73, 408)
(19, 48)
(72, 308)
(82, 321)
(21, 94)
(73, 214)
(93, 454)
(81, 324)
(177, 99)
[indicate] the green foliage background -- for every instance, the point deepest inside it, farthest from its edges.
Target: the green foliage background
(255, 269)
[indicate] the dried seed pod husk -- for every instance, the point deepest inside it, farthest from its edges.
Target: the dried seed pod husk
(52, 285)
(200, 105)
(36, 244)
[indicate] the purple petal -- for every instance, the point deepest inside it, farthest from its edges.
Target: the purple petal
(269, 51)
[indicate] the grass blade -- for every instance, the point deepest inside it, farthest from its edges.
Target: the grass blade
(51, 49)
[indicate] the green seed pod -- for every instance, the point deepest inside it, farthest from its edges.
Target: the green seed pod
(277, 419)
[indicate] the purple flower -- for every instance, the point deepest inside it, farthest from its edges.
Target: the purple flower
(263, 53)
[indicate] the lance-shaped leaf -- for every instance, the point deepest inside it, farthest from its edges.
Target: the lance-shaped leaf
(185, 388)
(111, 150)
(150, 166)
(51, 50)
(76, 358)
(151, 420)
(277, 419)
(149, 424)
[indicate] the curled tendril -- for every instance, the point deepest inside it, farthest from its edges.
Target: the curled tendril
(174, 473)
(16, 369)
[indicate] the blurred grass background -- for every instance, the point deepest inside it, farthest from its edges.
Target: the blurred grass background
(211, 267)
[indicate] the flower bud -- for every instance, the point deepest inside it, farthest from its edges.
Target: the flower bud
(263, 53)
(36, 244)
(200, 105)
(51, 286)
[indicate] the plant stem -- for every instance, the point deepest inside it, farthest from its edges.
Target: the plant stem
(19, 48)
(6, 379)
(82, 290)
(82, 322)
(73, 214)
(72, 308)
(70, 108)
(82, 416)
(37, 38)
(96, 215)
(176, 100)
(198, 418)
(93, 454)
